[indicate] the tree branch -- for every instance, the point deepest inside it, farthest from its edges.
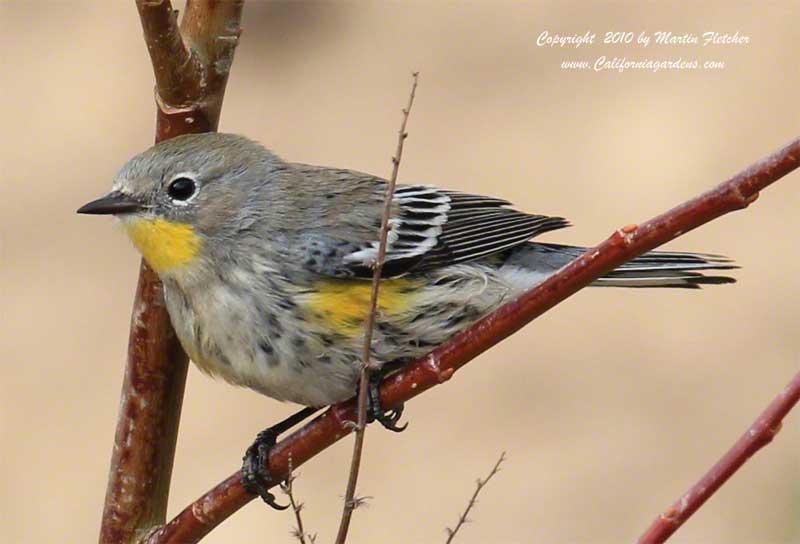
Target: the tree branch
(358, 445)
(189, 91)
(464, 517)
(298, 532)
(150, 406)
(177, 70)
(438, 366)
(758, 435)
(191, 63)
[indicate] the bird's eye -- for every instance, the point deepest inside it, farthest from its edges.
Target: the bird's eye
(181, 189)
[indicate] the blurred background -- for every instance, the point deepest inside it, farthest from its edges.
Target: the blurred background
(609, 406)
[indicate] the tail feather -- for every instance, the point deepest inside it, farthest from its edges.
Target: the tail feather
(684, 280)
(669, 269)
(654, 269)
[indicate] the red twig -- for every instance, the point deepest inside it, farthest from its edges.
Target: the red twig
(358, 445)
(189, 94)
(758, 435)
(438, 366)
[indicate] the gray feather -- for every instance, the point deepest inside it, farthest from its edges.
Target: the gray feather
(654, 269)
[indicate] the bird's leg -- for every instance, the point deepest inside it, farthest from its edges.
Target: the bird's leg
(255, 463)
(387, 418)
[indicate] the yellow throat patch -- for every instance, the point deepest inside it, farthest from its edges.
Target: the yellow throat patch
(163, 244)
(343, 305)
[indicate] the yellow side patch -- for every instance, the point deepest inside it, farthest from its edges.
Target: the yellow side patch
(163, 244)
(343, 305)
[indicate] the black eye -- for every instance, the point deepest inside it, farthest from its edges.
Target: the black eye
(181, 189)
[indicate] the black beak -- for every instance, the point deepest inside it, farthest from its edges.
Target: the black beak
(111, 204)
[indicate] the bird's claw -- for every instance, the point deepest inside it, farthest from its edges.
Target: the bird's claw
(375, 412)
(255, 463)
(255, 468)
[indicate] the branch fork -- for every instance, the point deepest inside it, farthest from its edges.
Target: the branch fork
(155, 375)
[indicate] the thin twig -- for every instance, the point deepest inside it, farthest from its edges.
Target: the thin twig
(462, 519)
(189, 96)
(438, 366)
(299, 532)
(758, 435)
(358, 445)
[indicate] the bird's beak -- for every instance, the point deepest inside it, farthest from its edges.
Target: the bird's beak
(111, 204)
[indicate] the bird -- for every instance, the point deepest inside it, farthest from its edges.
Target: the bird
(267, 266)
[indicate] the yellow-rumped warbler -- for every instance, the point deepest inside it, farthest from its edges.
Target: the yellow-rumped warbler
(266, 264)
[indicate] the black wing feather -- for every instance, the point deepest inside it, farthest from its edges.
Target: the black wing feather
(437, 228)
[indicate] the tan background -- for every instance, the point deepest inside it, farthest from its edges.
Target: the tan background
(608, 406)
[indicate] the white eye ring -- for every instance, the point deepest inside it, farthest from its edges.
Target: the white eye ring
(182, 188)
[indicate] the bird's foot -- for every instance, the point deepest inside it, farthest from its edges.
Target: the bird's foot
(255, 468)
(375, 411)
(256, 475)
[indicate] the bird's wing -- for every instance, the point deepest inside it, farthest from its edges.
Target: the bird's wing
(430, 228)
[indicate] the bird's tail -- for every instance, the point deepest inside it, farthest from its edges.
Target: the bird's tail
(654, 269)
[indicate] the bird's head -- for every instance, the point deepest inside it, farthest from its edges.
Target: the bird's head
(188, 193)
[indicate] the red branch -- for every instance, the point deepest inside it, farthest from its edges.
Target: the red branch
(150, 408)
(438, 366)
(758, 435)
(190, 84)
